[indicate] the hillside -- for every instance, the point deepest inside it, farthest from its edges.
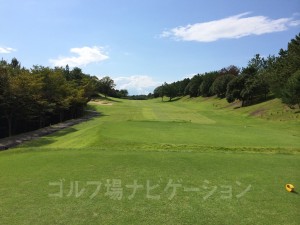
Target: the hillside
(273, 109)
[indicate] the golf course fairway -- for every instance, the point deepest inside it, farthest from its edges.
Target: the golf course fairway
(189, 161)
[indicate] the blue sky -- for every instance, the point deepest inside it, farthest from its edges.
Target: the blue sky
(141, 44)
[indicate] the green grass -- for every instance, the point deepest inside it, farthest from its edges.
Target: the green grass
(198, 143)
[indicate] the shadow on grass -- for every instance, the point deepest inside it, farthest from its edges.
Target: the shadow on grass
(91, 107)
(237, 107)
(106, 98)
(112, 100)
(48, 138)
(176, 99)
(172, 100)
(63, 132)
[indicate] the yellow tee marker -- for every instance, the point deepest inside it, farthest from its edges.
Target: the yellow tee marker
(289, 187)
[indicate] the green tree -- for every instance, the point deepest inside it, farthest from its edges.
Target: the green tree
(233, 70)
(282, 67)
(235, 88)
(291, 93)
(219, 86)
(76, 74)
(192, 89)
(251, 86)
(19, 94)
(15, 64)
(106, 85)
(159, 92)
(7, 99)
(34, 98)
(170, 90)
(206, 85)
(57, 91)
(181, 86)
(123, 93)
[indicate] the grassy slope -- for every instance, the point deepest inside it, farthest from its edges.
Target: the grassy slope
(157, 141)
(181, 125)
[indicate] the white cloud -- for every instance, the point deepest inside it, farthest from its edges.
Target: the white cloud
(231, 27)
(294, 23)
(139, 84)
(86, 55)
(6, 50)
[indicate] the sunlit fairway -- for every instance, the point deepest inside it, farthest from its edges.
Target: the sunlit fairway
(192, 161)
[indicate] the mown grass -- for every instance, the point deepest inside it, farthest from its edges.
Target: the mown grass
(194, 143)
(152, 125)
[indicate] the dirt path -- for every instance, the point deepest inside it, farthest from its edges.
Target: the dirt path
(13, 141)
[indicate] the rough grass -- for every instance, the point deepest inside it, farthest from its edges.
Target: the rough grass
(194, 143)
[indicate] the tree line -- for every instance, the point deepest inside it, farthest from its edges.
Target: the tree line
(274, 76)
(40, 96)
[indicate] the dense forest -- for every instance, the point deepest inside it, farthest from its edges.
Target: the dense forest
(263, 78)
(41, 96)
